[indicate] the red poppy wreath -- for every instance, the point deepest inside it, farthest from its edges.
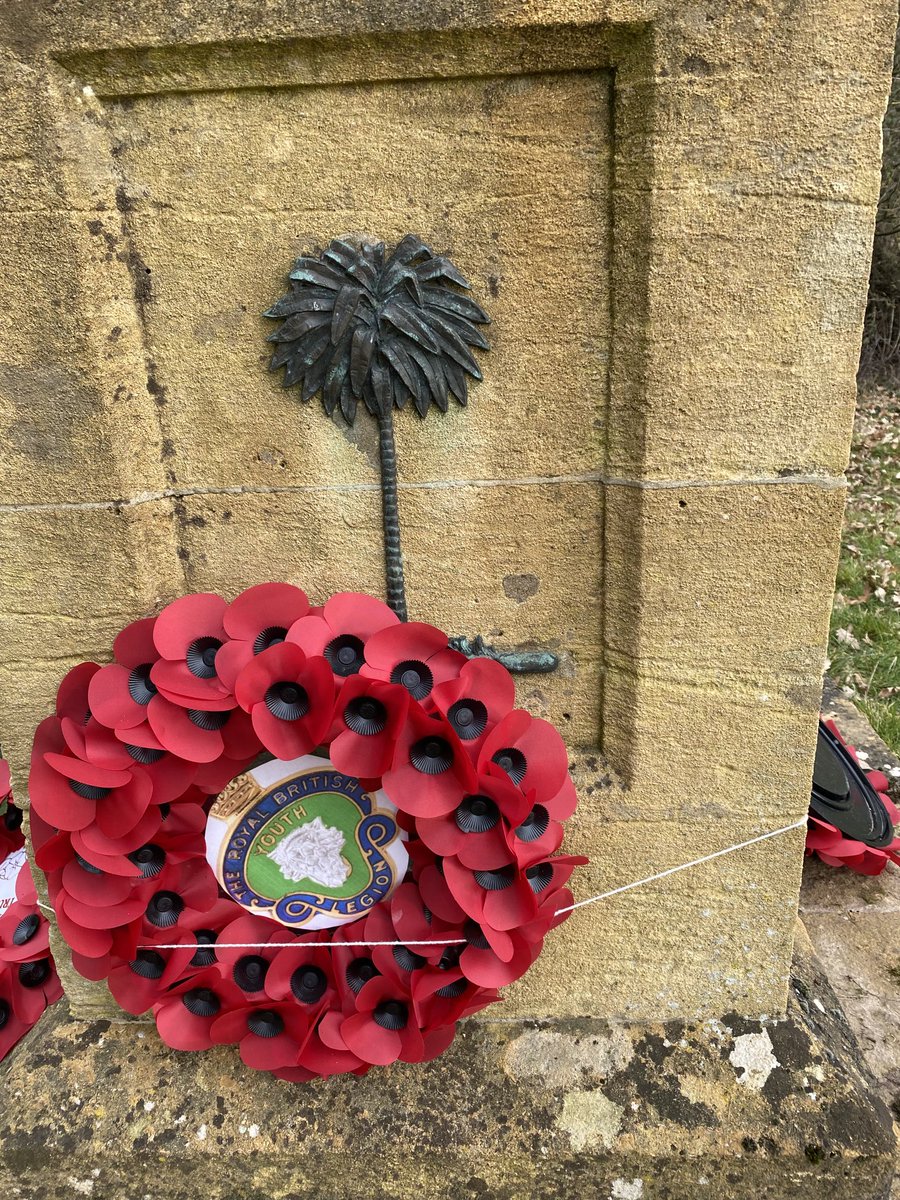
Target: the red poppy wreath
(381, 858)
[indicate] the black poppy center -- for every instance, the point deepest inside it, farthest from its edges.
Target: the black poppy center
(26, 929)
(12, 818)
(250, 972)
(144, 754)
(539, 876)
(201, 657)
(141, 687)
(415, 676)
(164, 909)
(477, 814)
(366, 716)
(88, 791)
(450, 958)
(431, 755)
(208, 720)
(287, 701)
(451, 990)
(391, 1014)
(468, 718)
(535, 824)
(86, 866)
(148, 964)
(273, 636)
(201, 1002)
(150, 858)
(407, 960)
(205, 956)
(4, 1013)
(475, 937)
(33, 974)
(308, 984)
(512, 761)
(496, 881)
(345, 654)
(265, 1023)
(359, 972)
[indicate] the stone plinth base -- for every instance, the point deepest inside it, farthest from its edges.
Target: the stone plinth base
(722, 1109)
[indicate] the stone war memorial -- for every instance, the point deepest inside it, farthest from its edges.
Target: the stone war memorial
(423, 435)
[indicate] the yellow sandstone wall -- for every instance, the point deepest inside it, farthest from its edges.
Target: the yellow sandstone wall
(666, 208)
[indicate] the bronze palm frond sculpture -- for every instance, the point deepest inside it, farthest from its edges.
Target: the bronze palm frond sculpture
(362, 325)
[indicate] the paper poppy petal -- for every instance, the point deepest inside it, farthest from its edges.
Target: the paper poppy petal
(181, 1030)
(110, 700)
(72, 694)
(186, 619)
(180, 735)
(264, 606)
(369, 1042)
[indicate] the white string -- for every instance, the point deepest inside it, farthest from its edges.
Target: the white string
(626, 887)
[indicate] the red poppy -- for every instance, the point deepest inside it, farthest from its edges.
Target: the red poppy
(416, 925)
(121, 694)
(270, 1035)
(73, 693)
(830, 845)
(188, 635)
(12, 1027)
(202, 734)
(384, 1027)
(532, 754)
(24, 932)
(476, 701)
(444, 996)
(479, 829)
(248, 967)
(500, 897)
(35, 986)
(325, 1053)
(341, 632)
(304, 972)
(185, 1016)
(139, 984)
(431, 772)
(258, 618)
(11, 836)
(414, 655)
(290, 699)
(72, 793)
(168, 774)
(428, 872)
(368, 718)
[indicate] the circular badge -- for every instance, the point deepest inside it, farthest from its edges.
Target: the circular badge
(304, 844)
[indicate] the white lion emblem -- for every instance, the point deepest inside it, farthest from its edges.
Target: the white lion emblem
(312, 852)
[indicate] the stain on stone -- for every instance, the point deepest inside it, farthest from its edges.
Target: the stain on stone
(494, 285)
(694, 64)
(520, 587)
(167, 448)
(155, 388)
(52, 403)
(363, 436)
(269, 456)
(790, 1045)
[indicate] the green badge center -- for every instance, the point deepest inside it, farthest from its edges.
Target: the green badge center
(301, 843)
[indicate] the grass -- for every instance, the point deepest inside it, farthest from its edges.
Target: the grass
(865, 625)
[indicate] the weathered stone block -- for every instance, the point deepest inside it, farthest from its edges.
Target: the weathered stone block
(730, 1109)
